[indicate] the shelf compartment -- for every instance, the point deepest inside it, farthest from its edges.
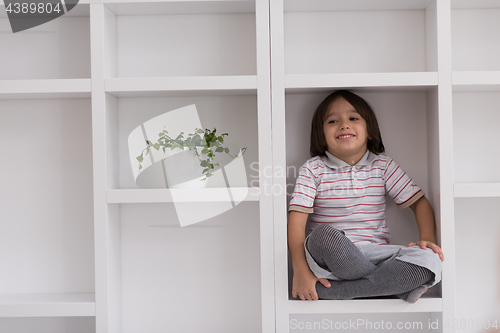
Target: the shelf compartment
(477, 250)
(50, 244)
(408, 126)
(394, 81)
(58, 49)
(365, 306)
(47, 305)
(182, 195)
(476, 190)
(33, 89)
(476, 81)
(233, 114)
(168, 274)
(179, 39)
(474, 36)
(207, 85)
(401, 38)
(474, 147)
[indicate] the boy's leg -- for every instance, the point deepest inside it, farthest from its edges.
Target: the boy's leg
(331, 249)
(391, 278)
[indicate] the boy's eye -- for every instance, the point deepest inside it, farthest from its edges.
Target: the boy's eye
(353, 118)
(332, 121)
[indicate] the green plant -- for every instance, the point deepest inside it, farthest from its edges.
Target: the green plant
(207, 139)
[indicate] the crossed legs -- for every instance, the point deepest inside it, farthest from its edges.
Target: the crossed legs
(331, 249)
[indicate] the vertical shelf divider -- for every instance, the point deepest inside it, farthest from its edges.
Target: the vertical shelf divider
(108, 304)
(279, 162)
(267, 262)
(446, 213)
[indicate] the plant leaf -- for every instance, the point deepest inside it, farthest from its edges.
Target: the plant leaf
(140, 158)
(219, 150)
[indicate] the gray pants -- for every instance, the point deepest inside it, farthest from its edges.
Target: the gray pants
(367, 270)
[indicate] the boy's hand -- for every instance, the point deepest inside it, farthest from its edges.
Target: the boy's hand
(426, 244)
(304, 286)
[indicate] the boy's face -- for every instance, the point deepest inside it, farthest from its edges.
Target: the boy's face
(345, 132)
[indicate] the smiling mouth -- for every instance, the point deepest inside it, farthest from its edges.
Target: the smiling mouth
(345, 136)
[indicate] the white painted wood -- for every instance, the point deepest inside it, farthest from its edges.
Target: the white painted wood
(108, 314)
(365, 306)
(46, 243)
(58, 49)
(476, 190)
(161, 7)
(359, 5)
(47, 305)
(431, 42)
(446, 171)
(398, 81)
(181, 195)
(215, 44)
(475, 4)
(478, 254)
(387, 41)
(266, 227)
(31, 89)
(280, 215)
(110, 43)
(403, 48)
(472, 34)
(476, 81)
(143, 86)
(172, 275)
(479, 165)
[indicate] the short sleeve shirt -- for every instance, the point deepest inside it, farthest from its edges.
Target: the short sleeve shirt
(352, 198)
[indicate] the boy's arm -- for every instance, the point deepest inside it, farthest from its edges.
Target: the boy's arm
(304, 280)
(426, 226)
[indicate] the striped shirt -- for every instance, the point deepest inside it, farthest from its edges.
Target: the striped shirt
(352, 198)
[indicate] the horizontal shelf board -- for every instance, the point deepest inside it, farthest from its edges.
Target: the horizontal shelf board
(181, 195)
(365, 306)
(143, 87)
(476, 190)
(334, 5)
(398, 81)
(476, 81)
(176, 7)
(29, 89)
(47, 305)
(456, 4)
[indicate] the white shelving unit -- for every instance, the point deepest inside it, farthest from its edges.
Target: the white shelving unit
(214, 54)
(88, 250)
(45, 113)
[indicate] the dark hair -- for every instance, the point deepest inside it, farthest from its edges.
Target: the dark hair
(318, 140)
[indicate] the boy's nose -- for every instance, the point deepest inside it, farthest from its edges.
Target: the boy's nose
(345, 125)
